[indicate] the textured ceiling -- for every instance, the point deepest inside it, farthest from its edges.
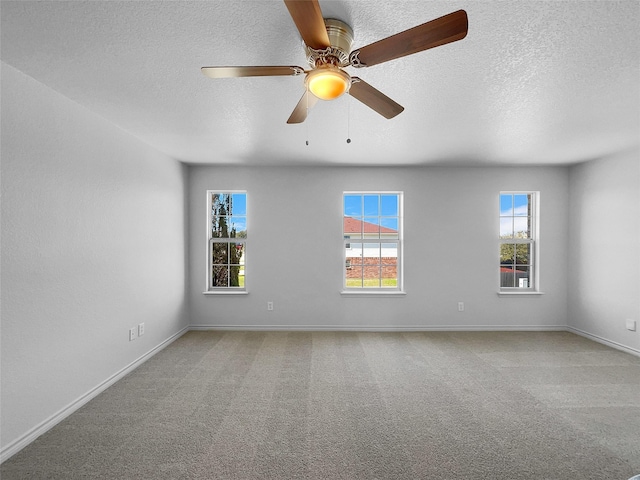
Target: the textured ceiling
(534, 82)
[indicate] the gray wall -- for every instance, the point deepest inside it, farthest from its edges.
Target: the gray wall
(451, 248)
(604, 252)
(93, 243)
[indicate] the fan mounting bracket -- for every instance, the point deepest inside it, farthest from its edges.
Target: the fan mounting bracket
(340, 39)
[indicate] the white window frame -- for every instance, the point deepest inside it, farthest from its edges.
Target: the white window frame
(228, 290)
(534, 241)
(348, 242)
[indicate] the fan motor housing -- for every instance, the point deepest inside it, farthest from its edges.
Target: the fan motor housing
(340, 38)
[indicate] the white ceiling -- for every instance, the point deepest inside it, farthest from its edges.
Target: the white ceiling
(534, 82)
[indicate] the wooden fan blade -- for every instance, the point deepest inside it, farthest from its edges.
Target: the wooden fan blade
(374, 98)
(299, 113)
(307, 16)
(231, 72)
(440, 31)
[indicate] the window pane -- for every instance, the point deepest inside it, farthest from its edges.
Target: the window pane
(371, 205)
(506, 277)
(507, 253)
(353, 266)
(242, 263)
(389, 228)
(371, 265)
(353, 205)
(220, 253)
(389, 205)
(353, 254)
(239, 202)
(216, 204)
(234, 276)
(238, 227)
(523, 253)
(389, 260)
(224, 199)
(371, 251)
(522, 227)
(522, 278)
(521, 205)
(236, 251)
(506, 227)
(352, 226)
(506, 204)
(216, 226)
(220, 226)
(389, 254)
(371, 276)
(219, 276)
(220, 203)
(371, 227)
(389, 277)
(519, 253)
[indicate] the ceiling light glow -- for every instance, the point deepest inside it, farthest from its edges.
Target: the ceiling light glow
(328, 82)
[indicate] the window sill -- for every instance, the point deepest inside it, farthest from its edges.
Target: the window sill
(222, 292)
(371, 293)
(531, 292)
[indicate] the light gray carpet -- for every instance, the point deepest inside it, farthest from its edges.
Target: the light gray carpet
(281, 405)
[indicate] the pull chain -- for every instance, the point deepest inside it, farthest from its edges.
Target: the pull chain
(349, 119)
(307, 119)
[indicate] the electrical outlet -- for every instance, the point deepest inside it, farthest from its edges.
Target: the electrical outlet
(270, 306)
(141, 329)
(132, 333)
(461, 306)
(631, 325)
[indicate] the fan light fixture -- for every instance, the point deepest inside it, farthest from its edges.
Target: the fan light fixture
(328, 82)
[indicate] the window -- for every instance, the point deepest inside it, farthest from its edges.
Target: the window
(518, 242)
(372, 235)
(227, 245)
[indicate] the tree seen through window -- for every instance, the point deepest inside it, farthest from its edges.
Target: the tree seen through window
(228, 235)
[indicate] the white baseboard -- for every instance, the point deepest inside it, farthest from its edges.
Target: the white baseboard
(604, 341)
(386, 328)
(14, 447)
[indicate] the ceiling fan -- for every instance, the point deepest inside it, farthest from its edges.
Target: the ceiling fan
(328, 45)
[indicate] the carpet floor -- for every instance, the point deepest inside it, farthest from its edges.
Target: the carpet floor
(353, 405)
